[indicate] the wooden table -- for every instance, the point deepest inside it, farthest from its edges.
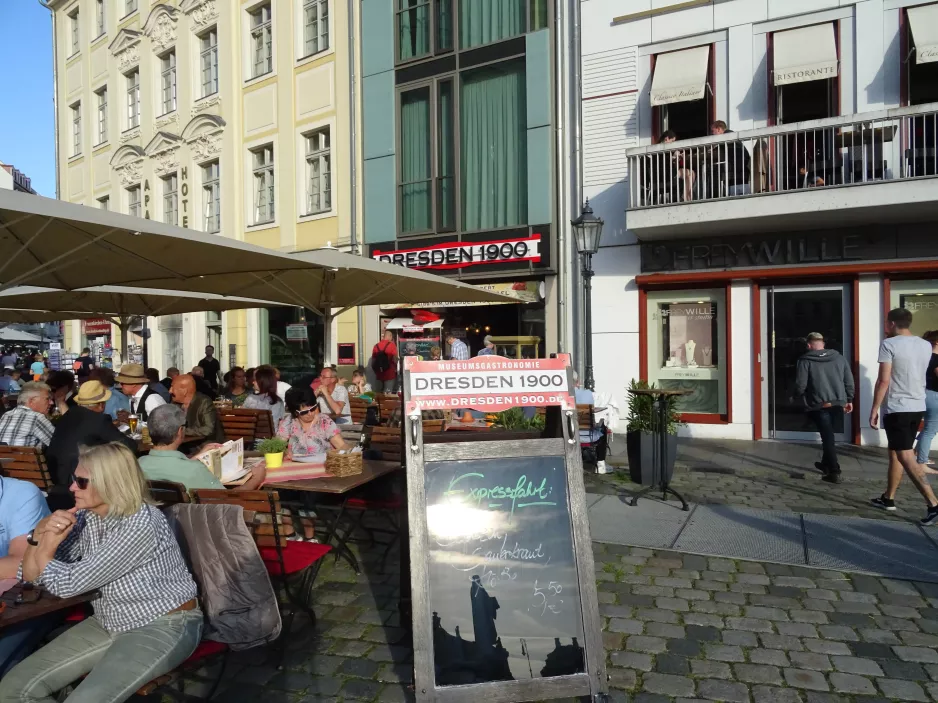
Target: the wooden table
(371, 469)
(475, 426)
(14, 614)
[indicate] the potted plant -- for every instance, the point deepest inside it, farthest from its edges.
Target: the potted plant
(513, 419)
(639, 440)
(273, 449)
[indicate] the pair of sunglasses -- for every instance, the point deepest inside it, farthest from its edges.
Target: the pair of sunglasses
(80, 481)
(301, 413)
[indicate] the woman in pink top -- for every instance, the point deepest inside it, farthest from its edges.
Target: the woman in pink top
(307, 430)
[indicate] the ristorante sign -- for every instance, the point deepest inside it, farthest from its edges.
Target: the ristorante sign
(456, 255)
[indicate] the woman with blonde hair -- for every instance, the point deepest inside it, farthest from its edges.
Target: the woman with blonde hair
(146, 619)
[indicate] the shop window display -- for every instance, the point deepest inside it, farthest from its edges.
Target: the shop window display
(687, 348)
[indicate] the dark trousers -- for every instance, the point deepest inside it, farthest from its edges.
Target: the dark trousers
(825, 419)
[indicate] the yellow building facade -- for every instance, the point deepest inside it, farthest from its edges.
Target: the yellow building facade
(221, 116)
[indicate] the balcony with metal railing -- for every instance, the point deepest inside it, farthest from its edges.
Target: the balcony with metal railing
(861, 168)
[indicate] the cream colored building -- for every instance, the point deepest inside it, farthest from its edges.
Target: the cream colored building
(218, 115)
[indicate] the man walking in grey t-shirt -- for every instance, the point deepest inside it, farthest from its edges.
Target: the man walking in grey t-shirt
(900, 392)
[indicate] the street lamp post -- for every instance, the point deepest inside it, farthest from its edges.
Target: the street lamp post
(588, 230)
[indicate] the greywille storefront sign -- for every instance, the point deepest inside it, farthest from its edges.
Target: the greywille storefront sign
(802, 248)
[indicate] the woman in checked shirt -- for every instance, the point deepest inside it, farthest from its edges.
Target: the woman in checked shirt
(146, 621)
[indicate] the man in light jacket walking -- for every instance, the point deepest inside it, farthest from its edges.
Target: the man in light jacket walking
(825, 381)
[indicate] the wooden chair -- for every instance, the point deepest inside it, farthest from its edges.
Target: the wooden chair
(359, 410)
(386, 440)
(168, 493)
(433, 426)
(264, 427)
(589, 440)
(239, 425)
(284, 558)
(386, 406)
(29, 464)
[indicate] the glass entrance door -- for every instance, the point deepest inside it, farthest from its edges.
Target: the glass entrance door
(791, 314)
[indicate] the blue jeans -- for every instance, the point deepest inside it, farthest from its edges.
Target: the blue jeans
(825, 419)
(931, 427)
(116, 663)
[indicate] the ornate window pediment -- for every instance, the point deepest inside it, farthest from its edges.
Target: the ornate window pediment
(203, 135)
(202, 12)
(164, 150)
(160, 26)
(128, 163)
(125, 47)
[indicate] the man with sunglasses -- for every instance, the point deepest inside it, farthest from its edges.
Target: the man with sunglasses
(333, 398)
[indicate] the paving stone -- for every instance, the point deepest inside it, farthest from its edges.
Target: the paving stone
(858, 597)
(657, 615)
(750, 567)
(393, 694)
(622, 678)
(821, 605)
(903, 670)
(735, 598)
(702, 620)
(672, 664)
(651, 698)
(694, 562)
(723, 565)
(740, 638)
(632, 660)
(615, 611)
(916, 654)
(659, 629)
(684, 647)
(772, 657)
(613, 641)
(851, 683)
(758, 579)
(872, 634)
(822, 594)
(709, 586)
(717, 690)
(932, 670)
(710, 669)
(860, 608)
(826, 646)
(796, 581)
(899, 611)
(758, 673)
(888, 623)
(346, 630)
(796, 629)
(819, 697)
(918, 639)
(838, 632)
(642, 643)
(702, 633)
(871, 650)
(771, 694)
(629, 627)
(361, 689)
(351, 648)
(811, 660)
(395, 673)
(851, 619)
(362, 668)
(668, 685)
(291, 681)
(771, 601)
(781, 642)
(749, 624)
(323, 664)
(692, 594)
(812, 616)
(671, 582)
(802, 678)
(724, 653)
(899, 689)
(857, 665)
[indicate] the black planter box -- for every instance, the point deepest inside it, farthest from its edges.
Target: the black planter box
(640, 447)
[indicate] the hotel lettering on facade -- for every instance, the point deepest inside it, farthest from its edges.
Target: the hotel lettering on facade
(816, 212)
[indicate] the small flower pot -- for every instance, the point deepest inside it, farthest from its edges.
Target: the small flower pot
(274, 461)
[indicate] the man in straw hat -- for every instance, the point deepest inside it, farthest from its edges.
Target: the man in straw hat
(136, 385)
(84, 424)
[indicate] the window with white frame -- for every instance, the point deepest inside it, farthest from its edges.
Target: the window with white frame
(211, 196)
(75, 29)
(170, 199)
(263, 184)
(133, 201)
(130, 6)
(262, 56)
(99, 17)
(318, 172)
(76, 129)
(209, 61)
(133, 98)
(315, 26)
(104, 203)
(168, 82)
(102, 114)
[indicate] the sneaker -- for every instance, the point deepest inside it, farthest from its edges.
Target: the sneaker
(834, 477)
(884, 503)
(931, 517)
(820, 467)
(601, 467)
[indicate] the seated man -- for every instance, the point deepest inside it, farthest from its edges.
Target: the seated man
(202, 423)
(136, 386)
(167, 425)
(201, 385)
(85, 424)
(118, 402)
(27, 425)
(156, 385)
(333, 398)
(171, 373)
(596, 436)
(21, 508)
(9, 381)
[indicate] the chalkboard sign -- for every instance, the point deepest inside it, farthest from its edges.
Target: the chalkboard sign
(502, 574)
(503, 583)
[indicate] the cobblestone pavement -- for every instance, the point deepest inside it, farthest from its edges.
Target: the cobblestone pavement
(801, 492)
(676, 627)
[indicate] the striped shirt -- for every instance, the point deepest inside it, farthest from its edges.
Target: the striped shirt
(24, 427)
(458, 350)
(134, 561)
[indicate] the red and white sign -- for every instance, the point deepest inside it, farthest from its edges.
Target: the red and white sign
(456, 255)
(95, 326)
(490, 383)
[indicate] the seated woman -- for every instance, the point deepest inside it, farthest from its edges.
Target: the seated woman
(359, 385)
(265, 394)
(307, 430)
(146, 619)
(237, 388)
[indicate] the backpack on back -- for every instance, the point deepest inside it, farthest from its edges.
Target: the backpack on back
(381, 362)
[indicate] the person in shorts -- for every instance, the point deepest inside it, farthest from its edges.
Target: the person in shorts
(900, 396)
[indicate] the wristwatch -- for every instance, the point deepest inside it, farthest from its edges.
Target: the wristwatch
(30, 540)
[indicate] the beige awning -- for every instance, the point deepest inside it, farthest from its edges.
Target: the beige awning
(680, 75)
(61, 245)
(924, 22)
(804, 54)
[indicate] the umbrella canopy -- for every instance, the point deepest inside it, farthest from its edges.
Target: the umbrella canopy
(61, 245)
(121, 301)
(32, 317)
(10, 335)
